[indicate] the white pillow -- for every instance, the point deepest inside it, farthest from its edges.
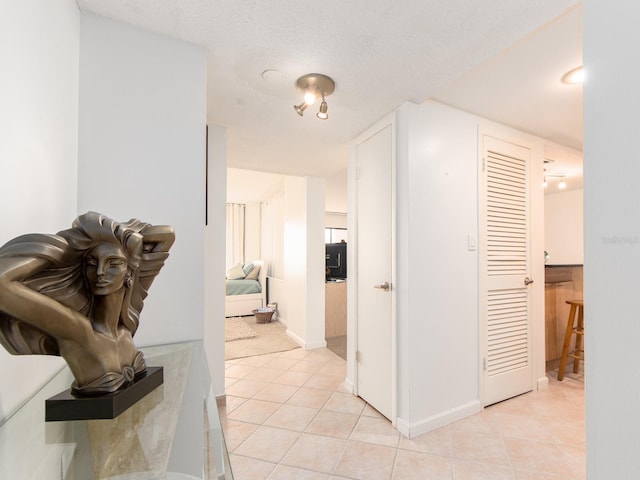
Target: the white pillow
(235, 272)
(253, 274)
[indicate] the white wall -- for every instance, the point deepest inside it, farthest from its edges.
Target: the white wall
(303, 307)
(437, 275)
(438, 299)
(142, 154)
(39, 43)
(612, 237)
(315, 278)
(336, 200)
(336, 192)
(215, 239)
(564, 227)
(335, 220)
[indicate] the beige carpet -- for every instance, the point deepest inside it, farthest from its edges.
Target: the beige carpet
(236, 328)
(271, 339)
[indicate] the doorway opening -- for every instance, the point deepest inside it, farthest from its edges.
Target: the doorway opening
(564, 246)
(336, 255)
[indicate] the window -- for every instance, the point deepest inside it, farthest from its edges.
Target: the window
(335, 235)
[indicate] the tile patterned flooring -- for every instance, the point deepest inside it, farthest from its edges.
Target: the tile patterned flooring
(288, 416)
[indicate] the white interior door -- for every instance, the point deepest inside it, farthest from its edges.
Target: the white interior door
(374, 271)
(505, 269)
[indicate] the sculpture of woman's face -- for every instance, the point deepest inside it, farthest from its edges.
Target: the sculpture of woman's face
(105, 268)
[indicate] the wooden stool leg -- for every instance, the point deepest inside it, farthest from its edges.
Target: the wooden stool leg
(567, 341)
(579, 351)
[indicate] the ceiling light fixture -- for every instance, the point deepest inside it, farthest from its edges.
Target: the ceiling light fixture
(560, 176)
(574, 76)
(313, 86)
(300, 108)
(322, 114)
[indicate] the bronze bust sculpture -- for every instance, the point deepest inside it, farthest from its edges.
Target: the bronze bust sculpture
(78, 294)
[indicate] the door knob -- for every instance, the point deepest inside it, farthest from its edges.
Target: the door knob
(528, 281)
(385, 286)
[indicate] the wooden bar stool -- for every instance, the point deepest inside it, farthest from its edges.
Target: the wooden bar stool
(578, 331)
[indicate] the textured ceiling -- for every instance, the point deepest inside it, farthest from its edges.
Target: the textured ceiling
(380, 53)
(521, 87)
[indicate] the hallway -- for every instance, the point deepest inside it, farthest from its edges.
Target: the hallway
(289, 417)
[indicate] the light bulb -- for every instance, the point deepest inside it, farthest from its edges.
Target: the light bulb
(574, 76)
(322, 114)
(562, 183)
(544, 184)
(309, 98)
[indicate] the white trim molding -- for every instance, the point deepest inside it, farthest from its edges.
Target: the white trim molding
(439, 420)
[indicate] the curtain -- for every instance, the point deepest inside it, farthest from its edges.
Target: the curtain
(235, 234)
(273, 235)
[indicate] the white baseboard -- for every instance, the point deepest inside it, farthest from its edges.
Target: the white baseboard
(403, 427)
(313, 346)
(440, 420)
(303, 344)
(295, 337)
(543, 383)
(349, 386)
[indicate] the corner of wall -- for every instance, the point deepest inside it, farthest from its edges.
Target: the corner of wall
(403, 427)
(349, 385)
(542, 383)
(412, 430)
(305, 345)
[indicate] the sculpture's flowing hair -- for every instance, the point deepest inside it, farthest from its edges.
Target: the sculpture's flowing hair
(91, 229)
(64, 279)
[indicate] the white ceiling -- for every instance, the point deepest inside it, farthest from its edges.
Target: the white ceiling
(246, 186)
(380, 53)
(521, 87)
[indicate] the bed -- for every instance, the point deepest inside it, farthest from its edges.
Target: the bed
(243, 295)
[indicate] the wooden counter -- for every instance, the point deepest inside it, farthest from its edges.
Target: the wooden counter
(562, 283)
(335, 308)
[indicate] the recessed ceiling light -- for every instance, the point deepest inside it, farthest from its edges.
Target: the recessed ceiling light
(272, 75)
(573, 76)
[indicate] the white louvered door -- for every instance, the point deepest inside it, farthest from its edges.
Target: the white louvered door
(505, 295)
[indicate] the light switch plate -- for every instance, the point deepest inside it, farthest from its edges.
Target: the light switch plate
(472, 242)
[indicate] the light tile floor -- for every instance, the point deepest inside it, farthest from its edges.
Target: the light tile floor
(288, 416)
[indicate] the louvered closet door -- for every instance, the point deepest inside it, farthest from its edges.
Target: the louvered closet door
(504, 270)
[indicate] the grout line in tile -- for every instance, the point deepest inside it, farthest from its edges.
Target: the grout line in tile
(534, 406)
(395, 462)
